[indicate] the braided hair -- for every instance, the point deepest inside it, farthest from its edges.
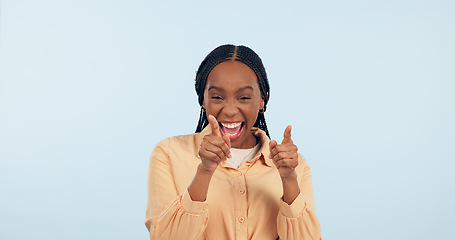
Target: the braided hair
(242, 54)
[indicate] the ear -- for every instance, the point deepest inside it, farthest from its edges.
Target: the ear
(261, 104)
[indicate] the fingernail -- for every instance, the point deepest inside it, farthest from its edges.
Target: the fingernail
(229, 155)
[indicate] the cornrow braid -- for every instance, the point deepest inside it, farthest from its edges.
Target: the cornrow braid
(242, 54)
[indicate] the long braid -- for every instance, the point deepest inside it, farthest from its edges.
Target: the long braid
(202, 121)
(242, 54)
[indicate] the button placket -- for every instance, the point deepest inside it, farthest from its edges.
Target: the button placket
(241, 205)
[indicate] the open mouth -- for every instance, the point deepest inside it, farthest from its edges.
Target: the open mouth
(232, 129)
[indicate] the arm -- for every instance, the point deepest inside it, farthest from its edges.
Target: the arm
(170, 215)
(173, 216)
(213, 150)
(298, 219)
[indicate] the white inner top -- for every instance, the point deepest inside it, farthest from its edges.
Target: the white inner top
(239, 156)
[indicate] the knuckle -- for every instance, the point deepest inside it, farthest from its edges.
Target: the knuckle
(272, 153)
(280, 155)
(272, 156)
(223, 148)
(214, 158)
(287, 146)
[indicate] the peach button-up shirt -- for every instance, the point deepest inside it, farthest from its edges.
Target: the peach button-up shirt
(244, 203)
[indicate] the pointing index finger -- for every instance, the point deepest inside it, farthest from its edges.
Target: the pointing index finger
(287, 135)
(214, 125)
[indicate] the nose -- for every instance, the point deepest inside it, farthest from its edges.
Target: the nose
(230, 110)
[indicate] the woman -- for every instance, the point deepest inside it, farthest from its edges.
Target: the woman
(228, 180)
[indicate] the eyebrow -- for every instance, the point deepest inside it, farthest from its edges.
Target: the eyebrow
(239, 90)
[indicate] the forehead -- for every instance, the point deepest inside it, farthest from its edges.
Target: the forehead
(232, 74)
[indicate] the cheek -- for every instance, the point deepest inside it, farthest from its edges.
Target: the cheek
(213, 109)
(251, 113)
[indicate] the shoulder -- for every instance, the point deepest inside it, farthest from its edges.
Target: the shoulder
(303, 168)
(187, 142)
(182, 139)
(303, 161)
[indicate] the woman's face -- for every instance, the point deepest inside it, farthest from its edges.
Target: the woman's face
(233, 97)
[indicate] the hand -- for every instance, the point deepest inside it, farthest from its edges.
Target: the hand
(214, 148)
(285, 155)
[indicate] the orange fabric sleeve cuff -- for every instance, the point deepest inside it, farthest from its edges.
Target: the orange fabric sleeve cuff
(193, 207)
(295, 209)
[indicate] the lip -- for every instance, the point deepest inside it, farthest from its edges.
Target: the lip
(234, 136)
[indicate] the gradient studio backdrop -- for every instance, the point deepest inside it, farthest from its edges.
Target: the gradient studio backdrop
(89, 87)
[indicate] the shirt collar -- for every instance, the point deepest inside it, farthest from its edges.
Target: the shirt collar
(263, 138)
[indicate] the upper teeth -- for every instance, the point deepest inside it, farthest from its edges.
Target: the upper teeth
(231, 125)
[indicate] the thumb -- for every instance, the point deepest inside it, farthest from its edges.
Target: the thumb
(287, 135)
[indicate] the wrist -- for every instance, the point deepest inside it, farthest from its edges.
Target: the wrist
(199, 186)
(204, 171)
(289, 177)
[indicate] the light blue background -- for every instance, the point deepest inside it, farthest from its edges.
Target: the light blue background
(89, 87)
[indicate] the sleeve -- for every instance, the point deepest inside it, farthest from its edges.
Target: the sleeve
(298, 220)
(168, 214)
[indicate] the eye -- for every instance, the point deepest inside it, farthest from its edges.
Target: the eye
(216, 97)
(245, 98)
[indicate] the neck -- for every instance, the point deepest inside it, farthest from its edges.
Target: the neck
(250, 142)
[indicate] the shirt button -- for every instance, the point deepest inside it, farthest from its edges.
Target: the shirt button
(241, 219)
(242, 191)
(239, 174)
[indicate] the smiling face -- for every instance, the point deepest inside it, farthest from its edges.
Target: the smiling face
(233, 97)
